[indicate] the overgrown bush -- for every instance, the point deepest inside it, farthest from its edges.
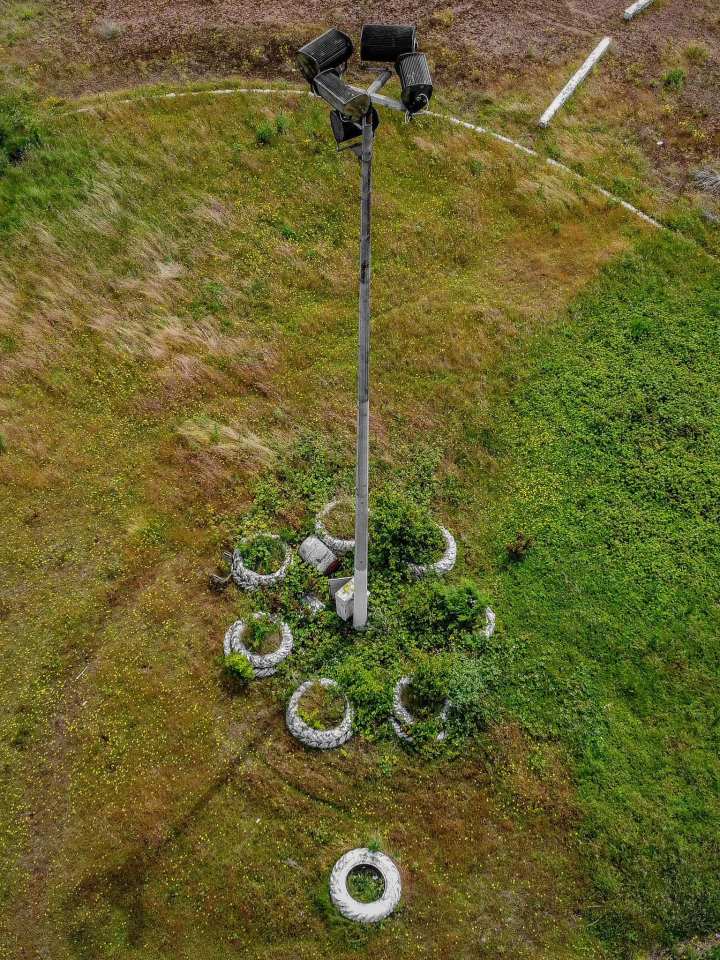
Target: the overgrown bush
(429, 686)
(367, 688)
(402, 531)
(430, 629)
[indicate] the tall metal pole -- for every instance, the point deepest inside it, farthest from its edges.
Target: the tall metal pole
(360, 602)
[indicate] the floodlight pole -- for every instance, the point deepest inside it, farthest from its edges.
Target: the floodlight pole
(360, 601)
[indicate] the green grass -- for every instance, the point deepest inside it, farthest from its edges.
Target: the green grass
(180, 303)
(613, 616)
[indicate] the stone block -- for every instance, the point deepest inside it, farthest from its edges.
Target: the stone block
(345, 600)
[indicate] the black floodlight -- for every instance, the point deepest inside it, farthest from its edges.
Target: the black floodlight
(332, 49)
(385, 42)
(332, 88)
(345, 129)
(417, 86)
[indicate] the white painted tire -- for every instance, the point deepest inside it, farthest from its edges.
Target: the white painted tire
(263, 664)
(444, 564)
(318, 739)
(403, 720)
(353, 909)
(248, 579)
(336, 544)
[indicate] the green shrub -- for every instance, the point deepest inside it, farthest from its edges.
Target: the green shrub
(468, 685)
(19, 130)
(674, 79)
(238, 669)
(368, 689)
(436, 609)
(264, 134)
(3, 444)
(402, 531)
(282, 124)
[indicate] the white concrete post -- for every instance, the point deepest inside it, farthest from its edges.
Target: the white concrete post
(571, 86)
(636, 8)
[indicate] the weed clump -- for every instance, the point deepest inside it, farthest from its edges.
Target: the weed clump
(238, 669)
(674, 79)
(519, 548)
(19, 130)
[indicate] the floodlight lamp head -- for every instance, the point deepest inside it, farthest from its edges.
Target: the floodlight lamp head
(417, 85)
(385, 42)
(331, 50)
(352, 103)
(345, 129)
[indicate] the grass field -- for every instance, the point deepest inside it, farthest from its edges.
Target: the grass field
(177, 324)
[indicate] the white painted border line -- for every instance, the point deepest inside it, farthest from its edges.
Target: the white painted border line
(571, 86)
(636, 8)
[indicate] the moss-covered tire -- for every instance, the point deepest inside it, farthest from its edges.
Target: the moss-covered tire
(444, 564)
(248, 579)
(318, 739)
(263, 664)
(353, 909)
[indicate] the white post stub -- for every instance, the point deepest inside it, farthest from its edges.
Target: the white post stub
(636, 8)
(571, 86)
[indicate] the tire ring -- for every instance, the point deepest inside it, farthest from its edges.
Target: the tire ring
(444, 564)
(318, 739)
(248, 579)
(403, 720)
(353, 909)
(263, 664)
(336, 544)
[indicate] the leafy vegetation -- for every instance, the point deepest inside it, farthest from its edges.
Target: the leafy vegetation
(429, 686)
